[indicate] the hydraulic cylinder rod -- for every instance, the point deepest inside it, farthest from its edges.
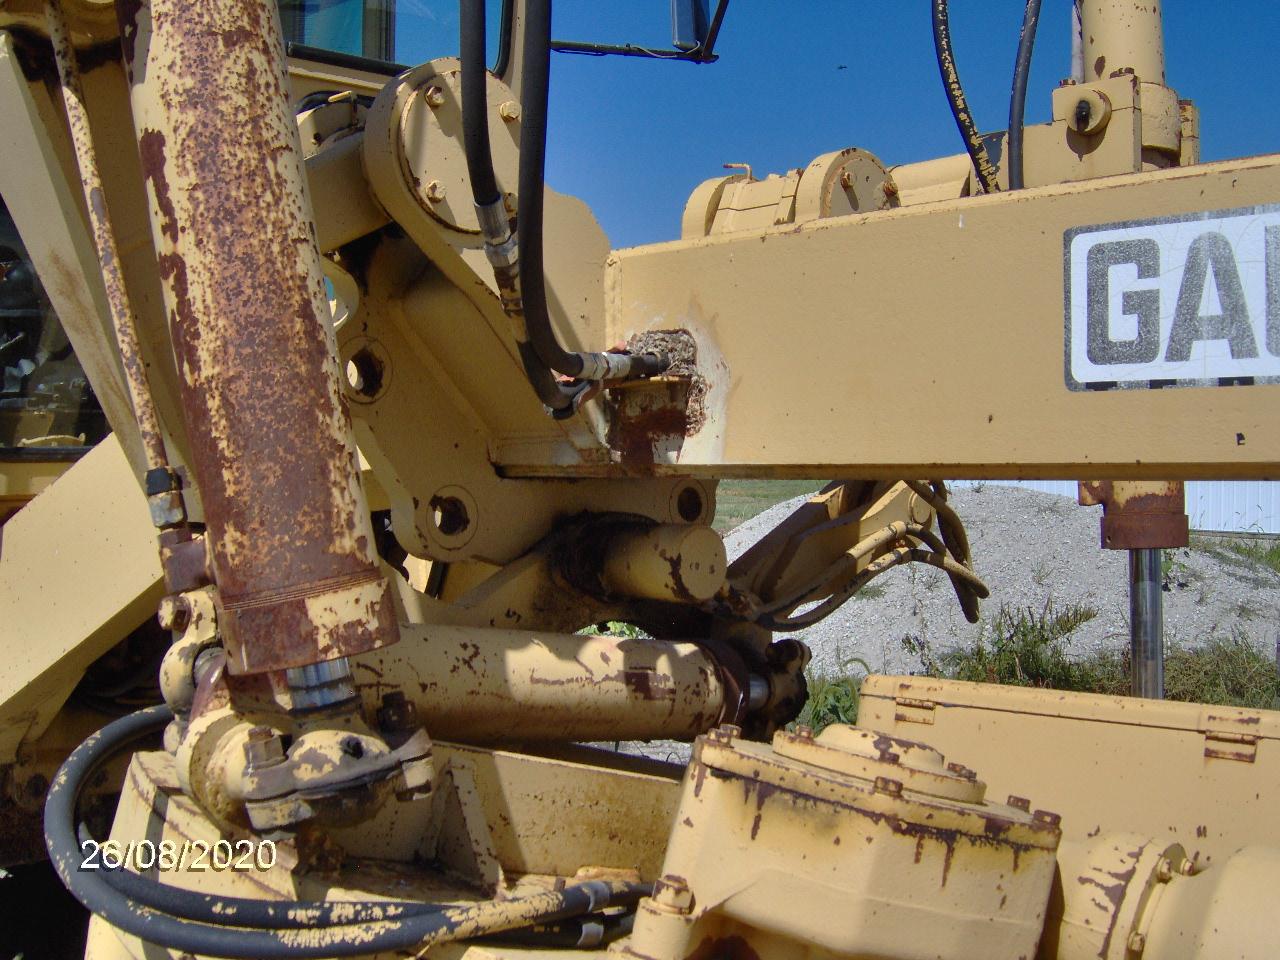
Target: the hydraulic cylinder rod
(1146, 623)
(290, 539)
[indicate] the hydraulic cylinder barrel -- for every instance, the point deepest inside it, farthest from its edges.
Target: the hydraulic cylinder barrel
(273, 457)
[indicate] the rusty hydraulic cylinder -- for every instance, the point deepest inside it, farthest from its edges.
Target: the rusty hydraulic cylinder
(489, 686)
(290, 539)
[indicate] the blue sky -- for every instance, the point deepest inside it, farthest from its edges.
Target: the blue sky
(634, 137)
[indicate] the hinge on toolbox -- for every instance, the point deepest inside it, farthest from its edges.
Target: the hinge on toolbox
(1223, 743)
(909, 710)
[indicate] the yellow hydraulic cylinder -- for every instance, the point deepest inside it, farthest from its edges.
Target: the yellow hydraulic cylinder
(666, 562)
(1123, 35)
(486, 686)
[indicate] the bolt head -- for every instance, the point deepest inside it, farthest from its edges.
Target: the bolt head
(1019, 803)
(434, 96)
(509, 110)
(263, 748)
(804, 732)
(1137, 942)
(435, 191)
(672, 893)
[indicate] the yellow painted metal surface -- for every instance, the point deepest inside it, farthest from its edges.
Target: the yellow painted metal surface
(1189, 773)
(79, 569)
(890, 298)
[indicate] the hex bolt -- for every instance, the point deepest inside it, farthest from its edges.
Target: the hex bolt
(435, 191)
(1047, 817)
(1020, 803)
(264, 748)
(1187, 867)
(892, 788)
(434, 96)
(509, 110)
(1164, 870)
(804, 732)
(1083, 113)
(672, 894)
(174, 613)
(1137, 942)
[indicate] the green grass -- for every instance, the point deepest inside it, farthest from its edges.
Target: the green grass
(1265, 553)
(1027, 648)
(739, 500)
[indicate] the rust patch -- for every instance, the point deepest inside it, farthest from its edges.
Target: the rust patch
(151, 153)
(1133, 520)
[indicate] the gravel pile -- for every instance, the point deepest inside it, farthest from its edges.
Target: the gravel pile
(1031, 548)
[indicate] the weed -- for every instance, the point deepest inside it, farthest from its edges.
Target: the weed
(832, 699)
(1027, 649)
(1024, 647)
(871, 591)
(1265, 553)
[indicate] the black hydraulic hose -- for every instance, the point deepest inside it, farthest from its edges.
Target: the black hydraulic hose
(176, 933)
(560, 399)
(1018, 98)
(982, 166)
(475, 134)
(571, 934)
(535, 89)
(534, 94)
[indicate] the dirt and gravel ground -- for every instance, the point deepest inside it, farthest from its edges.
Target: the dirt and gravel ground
(1032, 548)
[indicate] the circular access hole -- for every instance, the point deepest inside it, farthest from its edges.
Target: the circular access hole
(365, 373)
(689, 504)
(449, 514)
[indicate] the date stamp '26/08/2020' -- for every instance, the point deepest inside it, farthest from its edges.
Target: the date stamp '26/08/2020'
(172, 855)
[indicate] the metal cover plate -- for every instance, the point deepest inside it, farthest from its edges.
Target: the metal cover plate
(1191, 300)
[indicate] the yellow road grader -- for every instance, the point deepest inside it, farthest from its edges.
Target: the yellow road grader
(327, 429)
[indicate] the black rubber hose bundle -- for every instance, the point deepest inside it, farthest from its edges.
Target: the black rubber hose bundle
(1018, 98)
(982, 166)
(339, 930)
